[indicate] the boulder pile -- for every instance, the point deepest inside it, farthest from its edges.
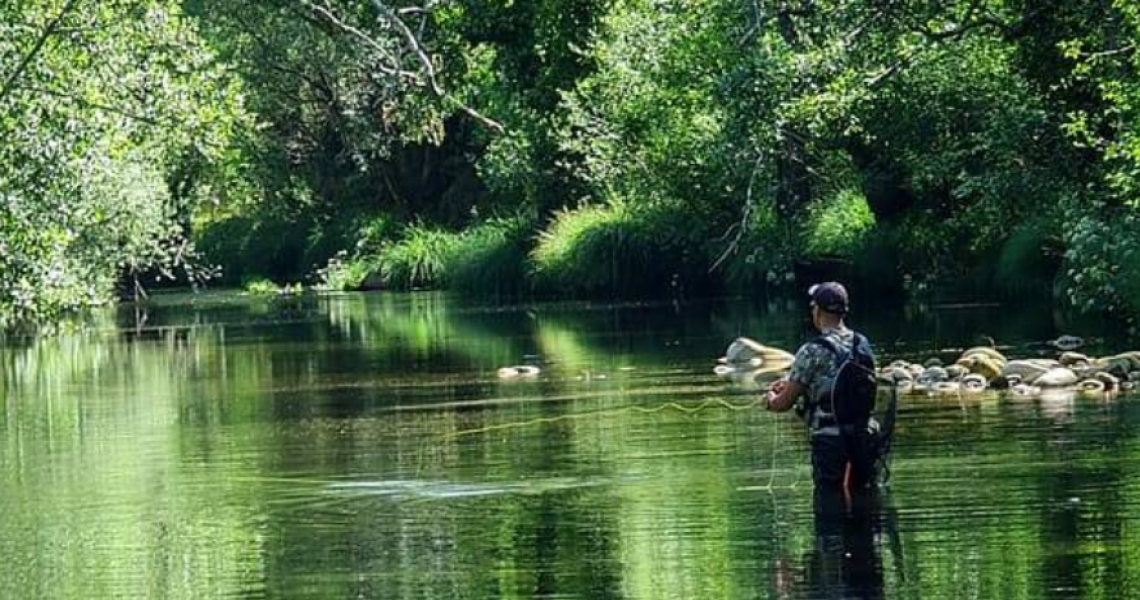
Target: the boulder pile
(983, 367)
(975, 370)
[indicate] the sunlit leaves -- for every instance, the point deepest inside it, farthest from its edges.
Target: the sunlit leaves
(115, 97)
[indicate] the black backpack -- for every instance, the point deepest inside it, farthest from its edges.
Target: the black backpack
(852, 396)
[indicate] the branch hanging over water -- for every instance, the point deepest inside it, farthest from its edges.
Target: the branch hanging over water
(423, 75)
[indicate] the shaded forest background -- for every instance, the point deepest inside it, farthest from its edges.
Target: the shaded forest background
(610, 148)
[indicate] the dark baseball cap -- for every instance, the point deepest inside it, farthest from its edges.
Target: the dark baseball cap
(831, 296)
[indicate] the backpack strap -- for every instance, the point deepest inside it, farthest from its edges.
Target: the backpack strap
(814, 409)
(829, 344)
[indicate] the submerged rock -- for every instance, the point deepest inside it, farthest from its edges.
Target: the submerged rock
(933, 375)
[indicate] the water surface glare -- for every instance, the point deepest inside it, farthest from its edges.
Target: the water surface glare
(365, 446)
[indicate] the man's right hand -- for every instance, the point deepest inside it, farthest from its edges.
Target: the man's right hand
(782, 395)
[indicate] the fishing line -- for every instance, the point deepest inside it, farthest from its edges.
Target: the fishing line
(683, 408)
(688, 409)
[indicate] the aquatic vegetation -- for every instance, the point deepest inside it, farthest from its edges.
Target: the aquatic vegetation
(265, 287)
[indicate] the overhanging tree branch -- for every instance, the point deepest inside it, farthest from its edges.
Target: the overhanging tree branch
(393, 69)
(423, 75)
(1108, 53)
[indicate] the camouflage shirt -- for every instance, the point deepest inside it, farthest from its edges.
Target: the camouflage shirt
(815, 366)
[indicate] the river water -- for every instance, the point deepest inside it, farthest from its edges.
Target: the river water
(364, 446)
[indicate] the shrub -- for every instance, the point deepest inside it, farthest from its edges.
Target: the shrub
(1027, 261)
(344, 273)
(268, 246)
(261, 287)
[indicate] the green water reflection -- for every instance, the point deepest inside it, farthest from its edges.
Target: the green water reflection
(363, 446)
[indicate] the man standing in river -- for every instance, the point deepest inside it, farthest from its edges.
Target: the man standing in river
(834, 376)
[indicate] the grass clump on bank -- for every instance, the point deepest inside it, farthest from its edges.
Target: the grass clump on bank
(417, 260)
(492, 258)
(621, 249)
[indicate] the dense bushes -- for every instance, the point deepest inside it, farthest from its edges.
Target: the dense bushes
(283, 248)
(644, 147)
(694, 146)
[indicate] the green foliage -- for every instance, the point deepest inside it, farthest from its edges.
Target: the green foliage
(1028, 261)
(255, 246)
(101, 106)
(622, 249)
(1102, 260)
(344, 274)
(647, 144)
(285, 245)
(966, 149)
(418, 260)
(489, 258)
(839, 226)
(492, 258)
(648, 122)
(375, 232)
(763, 255)
(261, 287)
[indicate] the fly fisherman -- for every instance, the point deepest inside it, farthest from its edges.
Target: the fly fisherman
(833, 378)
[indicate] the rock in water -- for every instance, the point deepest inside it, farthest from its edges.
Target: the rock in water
(1091, 386)
(974, 383)
(1028, 369)
(1070, 359)
(987, 351)
(518, 371)
(1067, 342)
(748, 352)
(1056, 377)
